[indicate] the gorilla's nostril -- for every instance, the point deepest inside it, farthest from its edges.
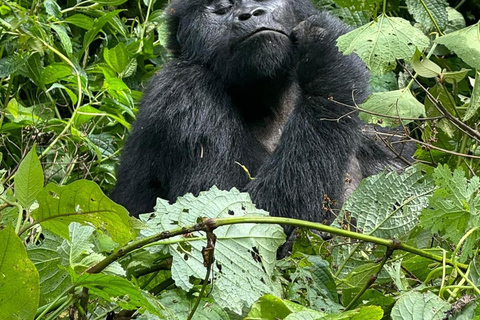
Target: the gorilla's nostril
(258, 12)
(244, 16)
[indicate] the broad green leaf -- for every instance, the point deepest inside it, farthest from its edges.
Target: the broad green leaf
(455, 76)
(475, 100)
(419, 306)
(97, 26)
(64, 38)
(424, 66)
(28, 179)
(19, 283)
(84, 202)
(81, 20)
(474, 274)
(465, 43)
(436, 8)
(11, 64)
(110, 287)
(398, 104)
(454, 206)
(270, 307)
(54, 72)
(387, 205)
(383, 82)
(117, 58)
(381, 42)
(33, 69)
(236, 245)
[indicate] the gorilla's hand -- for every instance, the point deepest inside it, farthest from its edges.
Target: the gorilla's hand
(307, 33)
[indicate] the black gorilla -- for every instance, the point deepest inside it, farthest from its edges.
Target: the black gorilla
(252, 82)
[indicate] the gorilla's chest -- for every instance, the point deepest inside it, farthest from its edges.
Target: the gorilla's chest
(268, 129)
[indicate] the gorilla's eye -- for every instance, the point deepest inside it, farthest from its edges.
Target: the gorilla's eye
(223, 10)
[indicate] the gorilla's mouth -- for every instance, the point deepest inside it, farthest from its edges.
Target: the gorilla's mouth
(265, 31)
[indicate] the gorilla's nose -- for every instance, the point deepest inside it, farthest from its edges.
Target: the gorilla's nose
(246, 13)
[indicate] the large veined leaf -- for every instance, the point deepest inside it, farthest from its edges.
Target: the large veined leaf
(84, 202)
(245, 254)
(380, 43)
(420, 306)
(465, 43)
(436, 8)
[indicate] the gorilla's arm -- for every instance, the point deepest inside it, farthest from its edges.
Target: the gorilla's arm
(315, 147)
(186, 138)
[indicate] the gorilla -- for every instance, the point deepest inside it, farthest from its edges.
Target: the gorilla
(253, 84)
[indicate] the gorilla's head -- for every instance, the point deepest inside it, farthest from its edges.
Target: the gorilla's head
(241, 40)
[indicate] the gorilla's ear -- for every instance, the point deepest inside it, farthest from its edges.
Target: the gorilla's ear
(173, 22)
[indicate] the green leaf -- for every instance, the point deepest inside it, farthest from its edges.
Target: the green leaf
(19, 284)
(70, 93)
(453, 208)
(85, 113)
(109, 287)
(82, 201)
(424, 66)
(455, 76)
(398, 104)
(436, 8)
(465, 43)
(270, 307)
(117, 58)
(419, 306)
(359, 5)
(387, 205)
(236, 245)
(81, 20)
(52, 8)
(54, 72)
(456, 21)
(64, 38)
(381, 42)
(475, 100)
(11, 64)
(33, 69)
(29, 179)
(54, 281)
(97, 26)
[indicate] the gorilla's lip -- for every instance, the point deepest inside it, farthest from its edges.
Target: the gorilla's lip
(266, 31)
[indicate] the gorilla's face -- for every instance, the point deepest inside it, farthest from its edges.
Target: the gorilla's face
(241, 40)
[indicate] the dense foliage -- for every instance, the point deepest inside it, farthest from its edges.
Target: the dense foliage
(71, 77)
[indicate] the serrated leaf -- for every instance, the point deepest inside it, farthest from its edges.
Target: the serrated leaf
(424, 66)
(474, 105)
(11, 64)
(237, 245)
(456, 20)
(387, 205)
(381, 42)
(453, 207)
(28, 179)
(80, 20)
(270, 307)
(465, 43)
(19, 283)
(54, 72)
(117, 57)
(436, 8)
(64, 38)
(398, 104)
(420, 306)
(84, 202)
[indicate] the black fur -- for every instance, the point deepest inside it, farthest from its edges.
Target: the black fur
(226, 94)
